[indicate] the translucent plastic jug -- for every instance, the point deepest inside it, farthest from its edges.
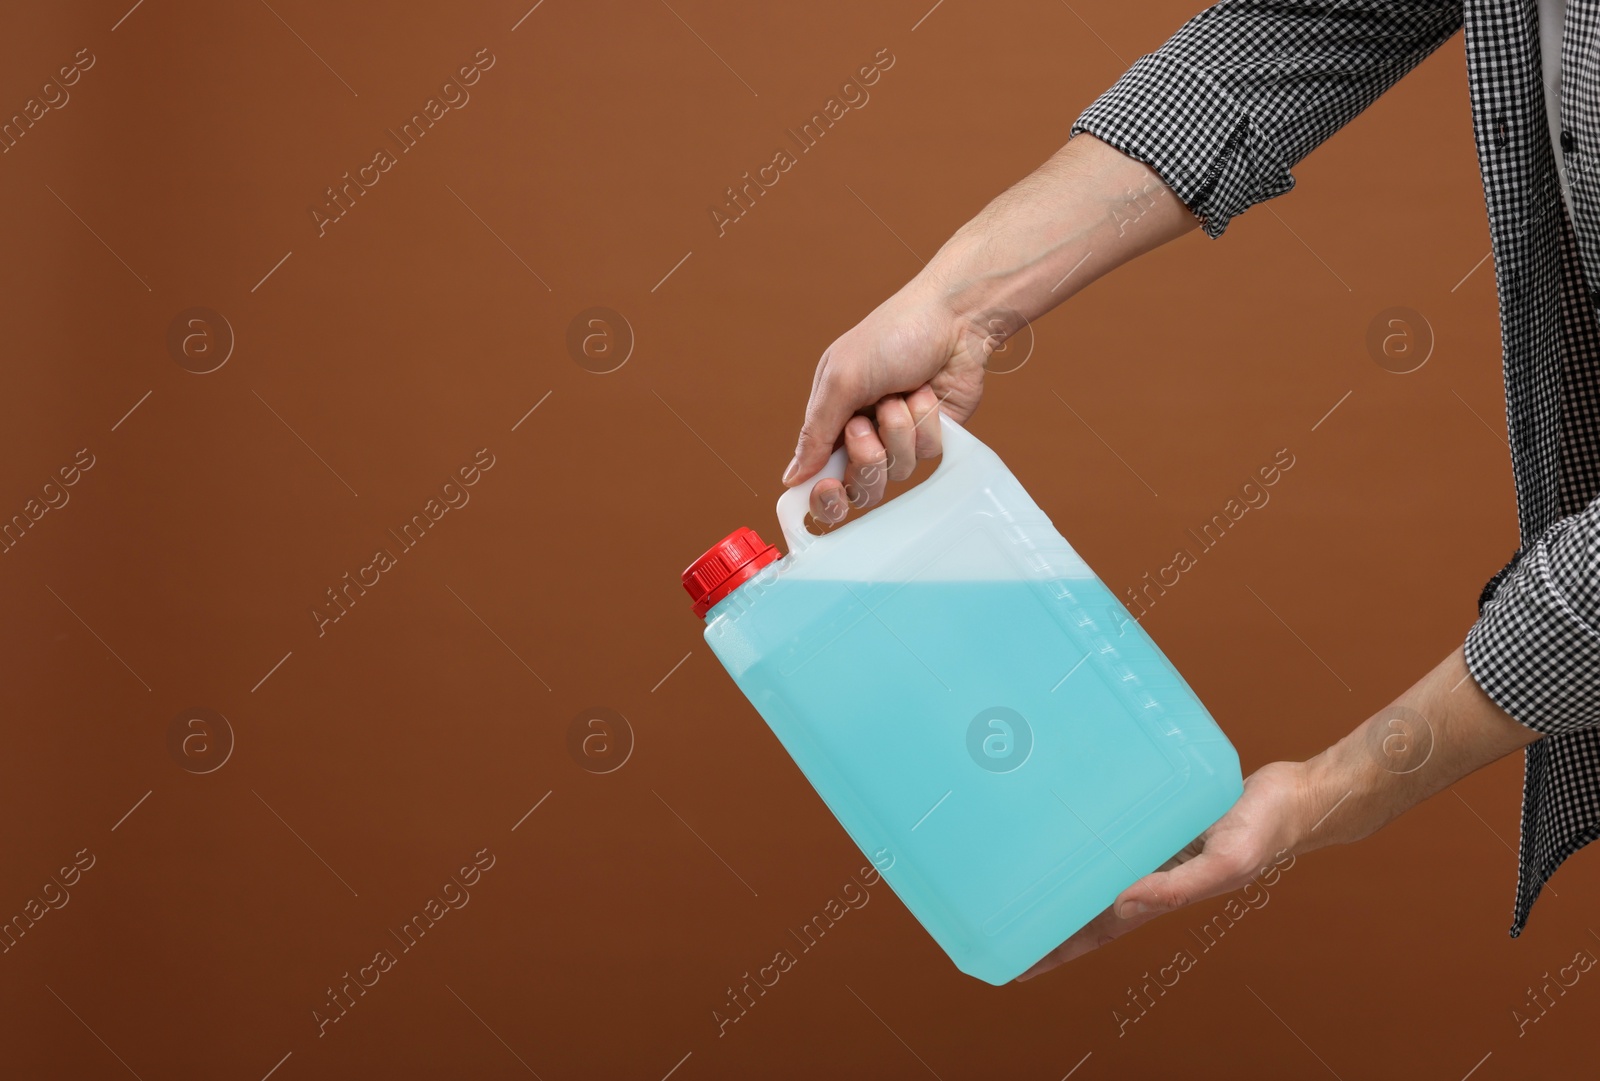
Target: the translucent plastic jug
(1002, 740)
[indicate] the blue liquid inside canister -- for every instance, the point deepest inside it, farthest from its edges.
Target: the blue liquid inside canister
(1011, 754)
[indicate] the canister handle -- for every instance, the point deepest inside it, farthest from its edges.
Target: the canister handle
(795, 504)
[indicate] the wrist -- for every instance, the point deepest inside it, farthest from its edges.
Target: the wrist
(1332, 795)
(954, 283)
(970, 303)
(1437, 732)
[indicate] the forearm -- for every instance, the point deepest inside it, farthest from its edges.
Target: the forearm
(1434, 734)
(1086, 211)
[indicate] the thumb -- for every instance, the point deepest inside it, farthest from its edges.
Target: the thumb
(1205, 875)
(833, 402)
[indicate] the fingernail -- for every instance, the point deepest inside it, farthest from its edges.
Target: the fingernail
(790, 473)
(833, 506)
(1129, 909)
(860, 426)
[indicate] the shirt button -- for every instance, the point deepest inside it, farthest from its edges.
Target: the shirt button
(1568, 141)
(1594, 295)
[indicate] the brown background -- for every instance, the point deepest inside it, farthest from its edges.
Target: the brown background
(377, 758)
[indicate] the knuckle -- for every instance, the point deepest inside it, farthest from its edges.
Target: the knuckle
(808, 430)
(813, 433)
(860, 493)
(866, 448)
(840, 380)
(894, 416)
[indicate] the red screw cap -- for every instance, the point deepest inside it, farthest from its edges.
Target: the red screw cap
(725, 566)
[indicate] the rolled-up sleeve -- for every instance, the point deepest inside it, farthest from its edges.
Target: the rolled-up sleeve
(1247, 88)
(1535, 649)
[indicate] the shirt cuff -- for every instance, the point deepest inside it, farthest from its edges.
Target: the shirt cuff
(1193, 133)
(1530, 651)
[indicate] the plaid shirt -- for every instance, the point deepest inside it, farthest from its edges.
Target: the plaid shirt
(1244, 91)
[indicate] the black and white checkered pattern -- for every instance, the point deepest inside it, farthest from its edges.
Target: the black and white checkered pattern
(1243, 92)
